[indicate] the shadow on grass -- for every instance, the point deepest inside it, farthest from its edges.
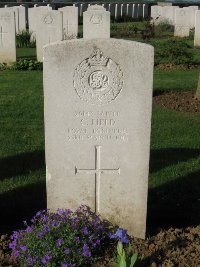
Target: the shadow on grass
(21, 204)
(161, 158)
(21, 164)
(175, 204)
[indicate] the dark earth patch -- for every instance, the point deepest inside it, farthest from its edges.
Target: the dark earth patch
(179, 101)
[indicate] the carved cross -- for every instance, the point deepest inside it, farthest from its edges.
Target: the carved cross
(97, 172)
(1, 35)
(67, 27)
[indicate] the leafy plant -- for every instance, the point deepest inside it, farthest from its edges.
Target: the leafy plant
(175, 51)
(123, 258)
(23, 39)
(149, 30)
(64, 238)
(26, 64)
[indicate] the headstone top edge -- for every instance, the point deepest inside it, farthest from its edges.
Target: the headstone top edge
(97, 41)
(96, 7)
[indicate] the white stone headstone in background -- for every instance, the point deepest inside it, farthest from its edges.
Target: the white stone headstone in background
(98, 98)
(96, 22)
(168, 14)
(182, 22)
(191, 15)
(22, 18)
(197, 29)
(16, 12)
(32, 18)
(70, 21)
(156, 14)
(48, 29)
(7, 36)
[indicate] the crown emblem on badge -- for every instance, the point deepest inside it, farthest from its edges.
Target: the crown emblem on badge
(97, 58)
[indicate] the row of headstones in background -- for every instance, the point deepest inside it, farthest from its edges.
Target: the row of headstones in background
(69, 20)
(183, 19)
(50, 26)
(98, 98)
(135, 11)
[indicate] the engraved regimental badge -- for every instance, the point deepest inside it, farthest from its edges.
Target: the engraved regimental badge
(98, 79)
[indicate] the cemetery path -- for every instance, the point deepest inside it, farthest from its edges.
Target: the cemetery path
(179, 101)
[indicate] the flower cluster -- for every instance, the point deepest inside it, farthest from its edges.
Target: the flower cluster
(64, 238)
(121, 235)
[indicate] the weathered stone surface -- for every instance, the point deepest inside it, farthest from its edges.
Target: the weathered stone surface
(96, 22)
(156, 13)
(197, 29)
(22, 18)
(32, 18)
(168, 14)
(98, 97)
(16, 12)
(191, 15)
(70, 21)
(182, 22)
(48, 29)
(7, 36)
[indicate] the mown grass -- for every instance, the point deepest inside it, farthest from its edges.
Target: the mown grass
(174, 185)
(176, 80)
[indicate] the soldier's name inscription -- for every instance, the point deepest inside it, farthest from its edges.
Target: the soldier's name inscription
(97, 126)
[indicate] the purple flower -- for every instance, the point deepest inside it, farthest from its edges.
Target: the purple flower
(86, 251)
(85, 231)
(23, 248)
(121, 234)
(29, 229)
(97, 242)
(13, 245)
(68, 265)
(59, 242)
(15, 253)
(67, 251)
(46, 259)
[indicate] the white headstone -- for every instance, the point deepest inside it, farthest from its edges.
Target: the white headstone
(168, 14)
(32, 19)
(98, 97)
(7, 36)
(191, 15)
(70, 21)
(156, 13)
(48, 29)
(96, 22)
(22, 18)
(197, 29)
(182, 22)
(16, 11)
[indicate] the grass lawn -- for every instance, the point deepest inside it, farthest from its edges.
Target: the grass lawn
(174, 184)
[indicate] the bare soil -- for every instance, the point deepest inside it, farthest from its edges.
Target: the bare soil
(179, 101)
(168, 248)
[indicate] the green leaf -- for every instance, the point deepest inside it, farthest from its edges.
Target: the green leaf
(134, 259)
(119, 248)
